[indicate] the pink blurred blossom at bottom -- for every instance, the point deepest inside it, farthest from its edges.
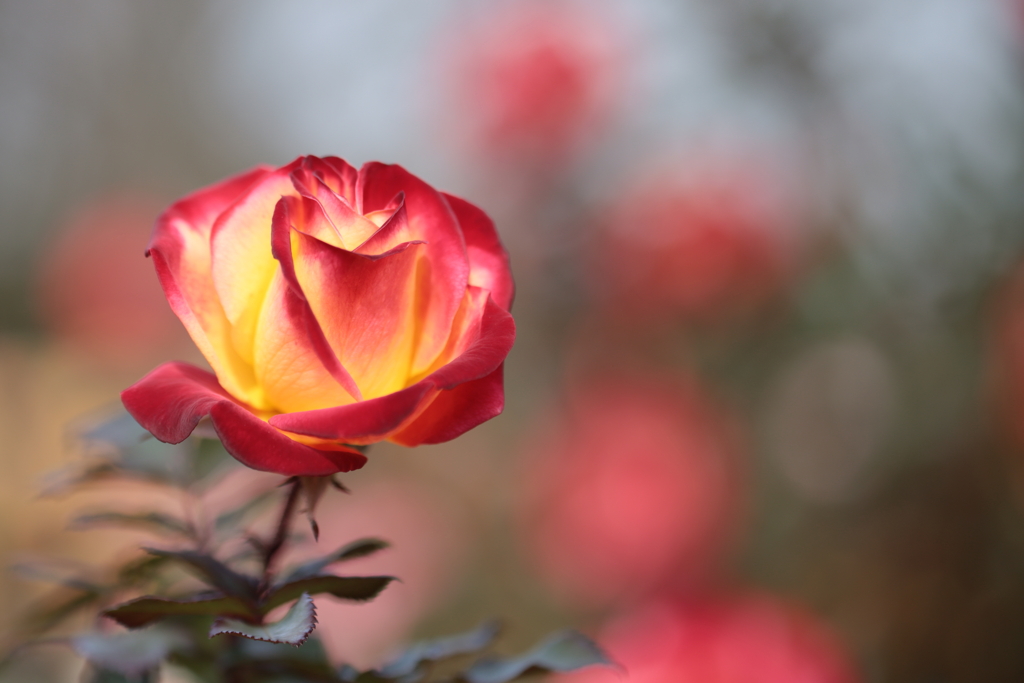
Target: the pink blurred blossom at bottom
(746, 638)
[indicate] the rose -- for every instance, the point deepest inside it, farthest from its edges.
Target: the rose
(636, 487)
(702, 242)
(337, 308)
(743, 636)
(535, 81)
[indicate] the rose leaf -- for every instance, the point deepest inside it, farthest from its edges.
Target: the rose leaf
(357, 588)
(155, 521)
(560, 652)
(409, 661)
(218, 574)
(293, 628)
(148, 609)
(350, 551)
(131, 653)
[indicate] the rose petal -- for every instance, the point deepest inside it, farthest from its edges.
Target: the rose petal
(289, 364)
(456, 411)
(256, 444)
(297, 304)
(365, 306)
(379, 418)
(488, 260)
(171, 400)
(338, 175)
(351, 227)
(242, 263)
(180, 248)
(440, 287)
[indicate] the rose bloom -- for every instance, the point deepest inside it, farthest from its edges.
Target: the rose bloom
(634, 488)
(336, 307)
(535, 78)
(715, 237)
(732, 639)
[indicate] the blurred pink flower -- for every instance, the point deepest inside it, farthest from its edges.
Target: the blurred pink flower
(635, 487)
(735, 639)
(535, 79)
(716, 238)
(1007, 354)
(96, 290)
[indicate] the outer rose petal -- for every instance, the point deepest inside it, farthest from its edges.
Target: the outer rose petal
(180, 249)
(456, 411)
(383, 417)
(171, 400)
(242, 262)
(488, 260)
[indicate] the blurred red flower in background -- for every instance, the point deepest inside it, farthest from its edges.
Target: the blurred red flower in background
(95, 290)
(734, 639)
(1008, 354)
(719, 237)
(635, 488)
(535, 79)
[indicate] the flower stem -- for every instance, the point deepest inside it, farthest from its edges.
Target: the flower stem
(277, 542)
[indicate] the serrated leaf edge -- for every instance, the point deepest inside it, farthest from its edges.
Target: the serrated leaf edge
(313, 621)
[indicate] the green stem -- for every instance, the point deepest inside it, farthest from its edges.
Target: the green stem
(277, 542)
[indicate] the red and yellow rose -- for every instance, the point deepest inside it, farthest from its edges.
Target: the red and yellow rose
(337, 308)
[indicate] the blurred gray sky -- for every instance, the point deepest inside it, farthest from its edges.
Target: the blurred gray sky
(906, 113)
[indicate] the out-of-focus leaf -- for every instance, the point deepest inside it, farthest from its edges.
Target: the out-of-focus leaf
(108, 676)
(357, 588)
(280, 671)
(560, 652)
(148, 609)
(130, 653)
(218, 574)
(119, 431)
(140, 570)
(66, 480)
(155, 521)
(232, 518)
(350, 551)
(411, 660)
(293, 628)
(47, 572)
(311, 652)
(208, 457)
(43, 619)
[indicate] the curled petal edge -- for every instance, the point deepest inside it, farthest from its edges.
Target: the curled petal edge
(171, 400)
(392, 415)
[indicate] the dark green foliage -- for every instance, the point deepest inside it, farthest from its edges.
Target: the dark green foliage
(559, 652)
(411, 663)
(291, 629)
(356, 588)
(147, 610)
(220, 632)
(350, 551)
